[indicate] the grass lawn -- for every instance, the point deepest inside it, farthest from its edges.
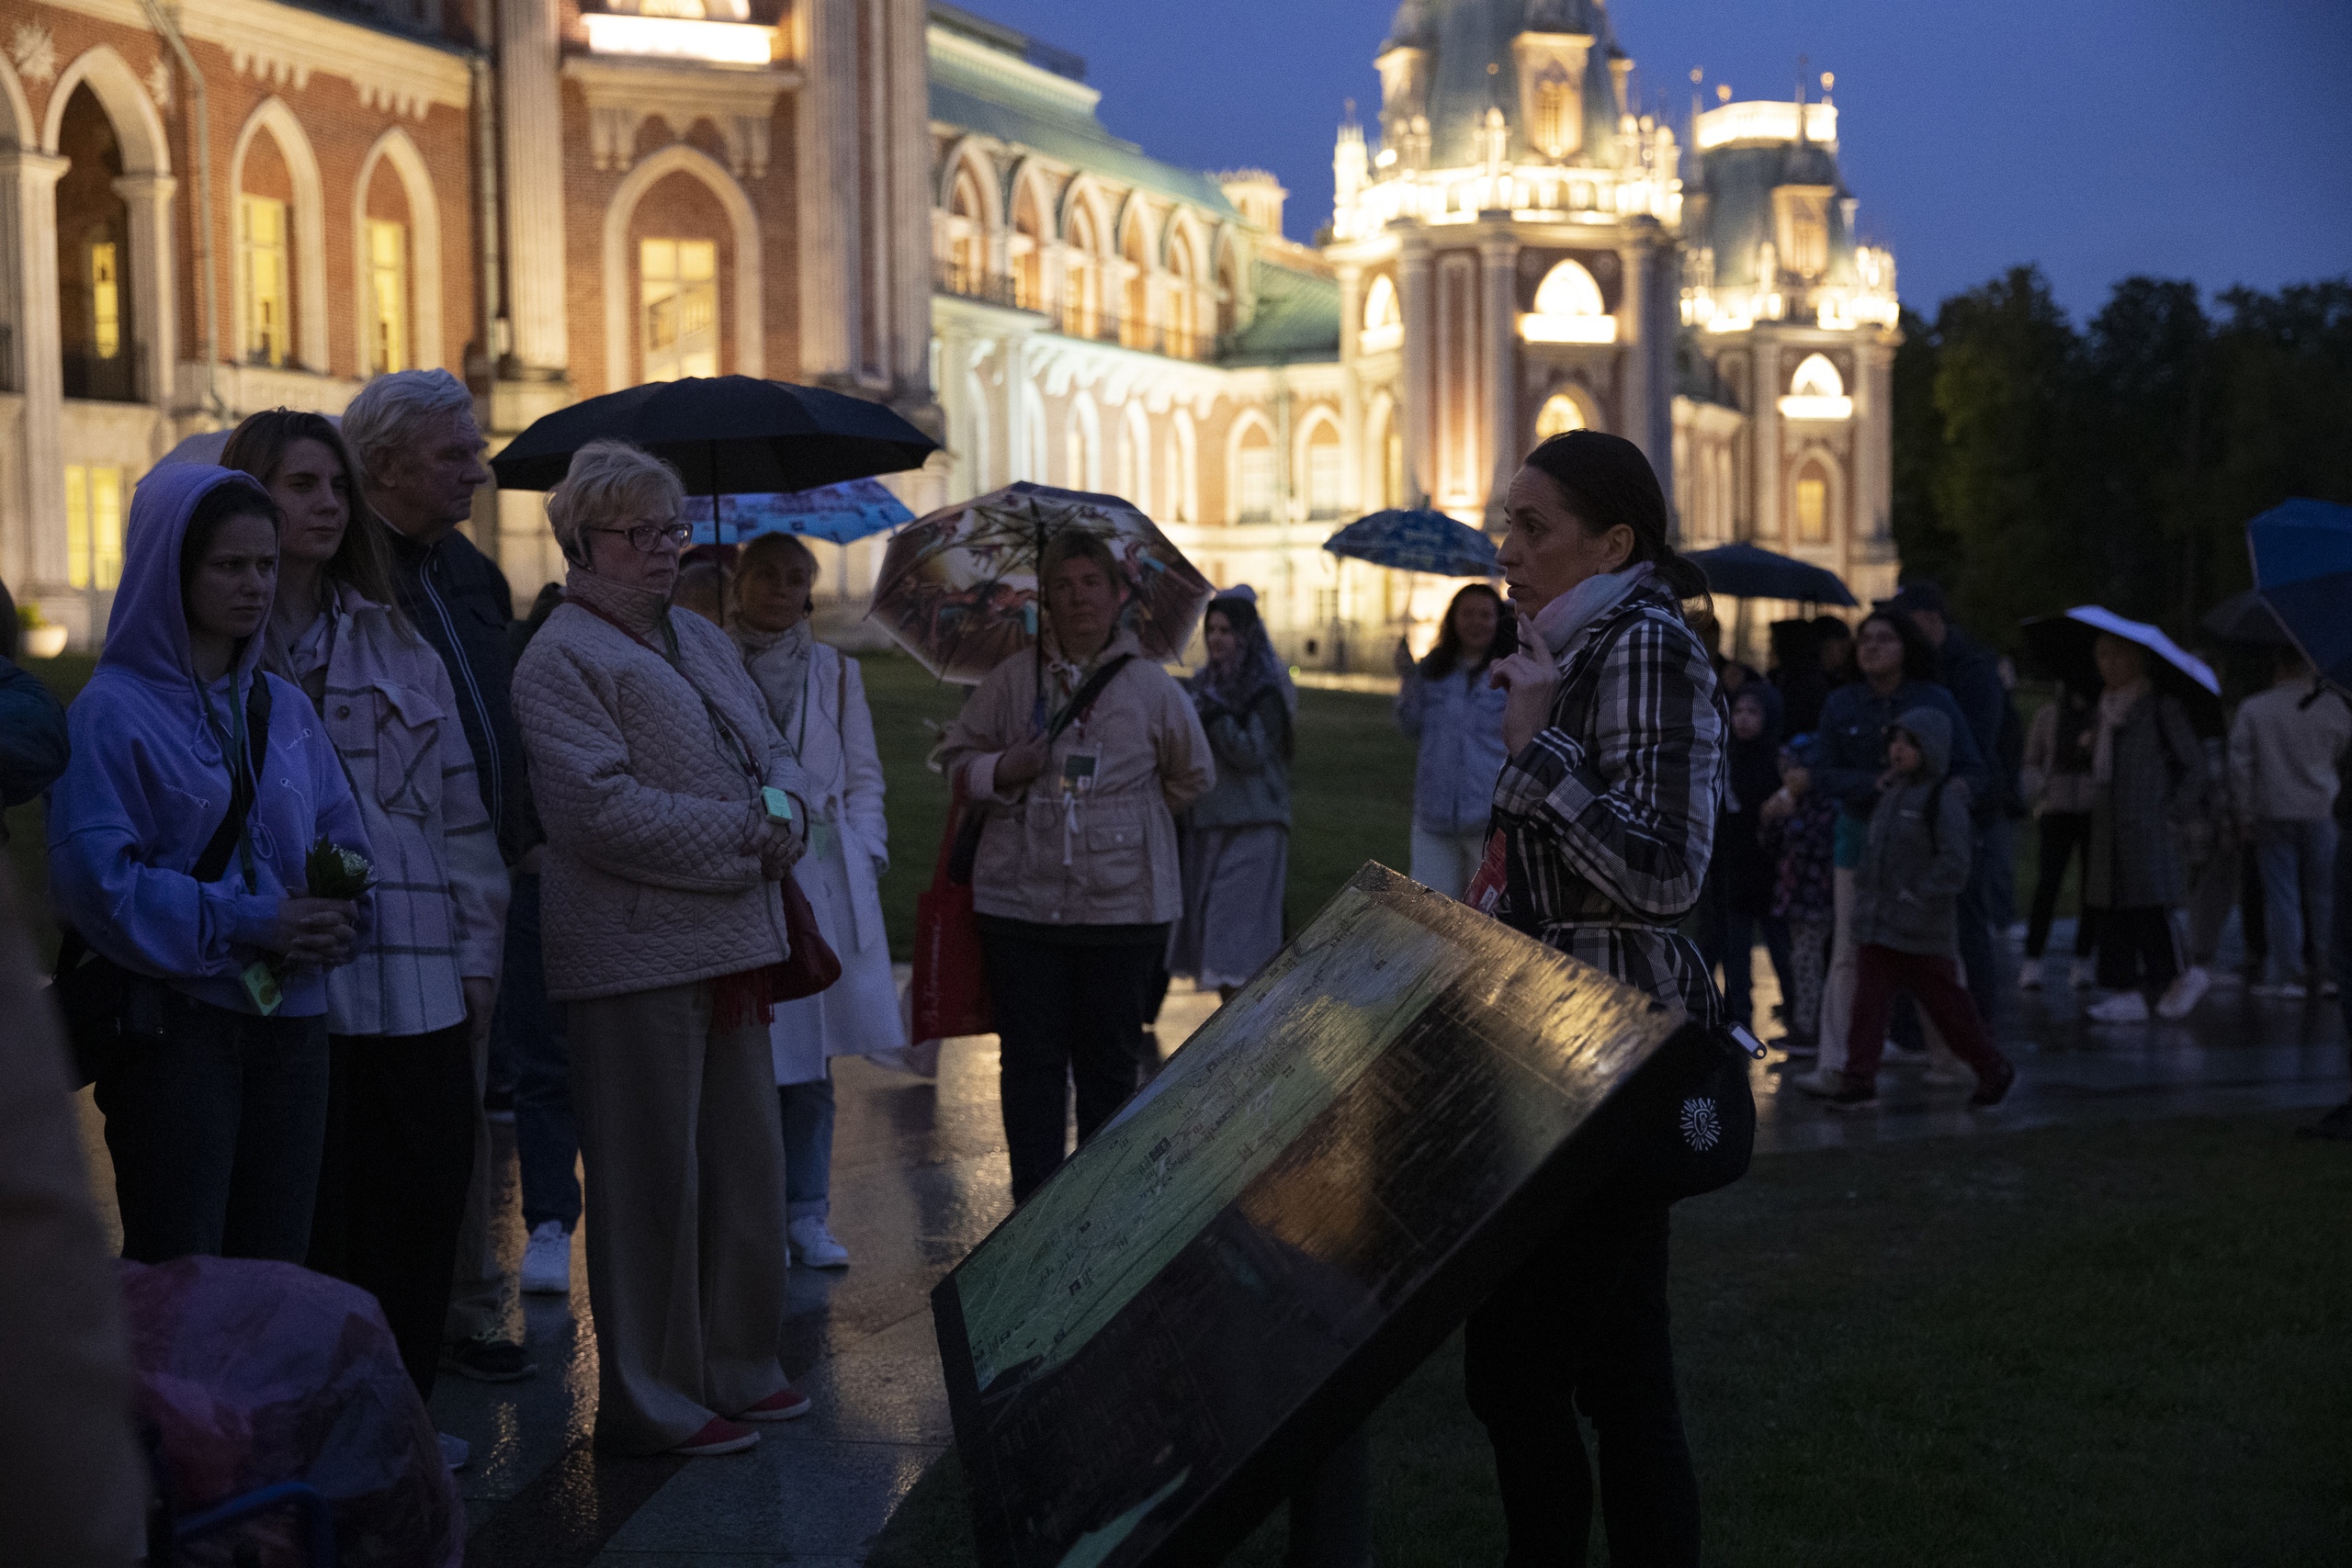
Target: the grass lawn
(2123, 1344)
(1353, 789)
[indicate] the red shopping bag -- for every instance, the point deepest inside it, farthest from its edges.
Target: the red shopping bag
(1485, 889)
(950, 994)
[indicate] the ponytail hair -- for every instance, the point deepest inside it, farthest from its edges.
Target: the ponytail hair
(1606, 480)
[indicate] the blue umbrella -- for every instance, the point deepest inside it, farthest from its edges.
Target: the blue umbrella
(2303, 568)
(841, 513)
(1745, 571)
(1417, 540)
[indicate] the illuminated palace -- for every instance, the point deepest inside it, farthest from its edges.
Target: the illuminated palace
(219, 206)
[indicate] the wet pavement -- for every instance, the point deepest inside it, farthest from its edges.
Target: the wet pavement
(920, 1177)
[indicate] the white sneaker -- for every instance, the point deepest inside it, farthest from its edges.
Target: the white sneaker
(2281, 991)
(2125, 1006)
(2182, 996)
(546, 1261)
(2083, 976)
(2029, 978)
(2330, 989)
(456, 1452)
(813, 1243)
(1819, 1083)
(1947, 1078)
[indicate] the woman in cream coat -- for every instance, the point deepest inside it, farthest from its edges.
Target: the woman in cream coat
(818, 704)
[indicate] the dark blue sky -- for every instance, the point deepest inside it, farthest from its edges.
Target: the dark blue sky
(2099, 138)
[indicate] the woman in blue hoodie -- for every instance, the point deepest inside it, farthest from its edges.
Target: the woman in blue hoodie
(185, 756)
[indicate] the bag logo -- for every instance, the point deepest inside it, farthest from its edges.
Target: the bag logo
(1702, 1128)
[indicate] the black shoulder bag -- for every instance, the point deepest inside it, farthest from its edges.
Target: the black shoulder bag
(976, 816)
(108, 1008)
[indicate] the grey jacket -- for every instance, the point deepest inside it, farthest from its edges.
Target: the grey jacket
(1253, 786)
(1906, 890)
(2158, 785)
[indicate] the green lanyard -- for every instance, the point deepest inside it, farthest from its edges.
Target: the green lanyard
(233, 739)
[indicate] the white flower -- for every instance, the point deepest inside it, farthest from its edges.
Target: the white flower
(1702, 1128)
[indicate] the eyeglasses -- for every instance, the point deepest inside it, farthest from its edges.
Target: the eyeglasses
(648, 536)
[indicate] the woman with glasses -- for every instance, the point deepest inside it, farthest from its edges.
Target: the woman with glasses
(672, 809)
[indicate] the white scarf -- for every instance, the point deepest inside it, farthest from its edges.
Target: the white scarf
(2115, 705)
(1563, 623)
(779, 665)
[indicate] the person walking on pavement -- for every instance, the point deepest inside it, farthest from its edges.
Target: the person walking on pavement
(673, 811)
(1971, 673)
(1907, 893)
(405, 1019)
(1234, 842)
(2286, 746)
(1898, 671)
(1076, 880)
(1445, 702)
(2148, 774)
(816, 695)
(2058, 787)
(1607, 805)
(177, 839)
(414, 435)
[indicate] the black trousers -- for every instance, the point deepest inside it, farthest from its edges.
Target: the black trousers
(1583, 1327)
(393, 1183)
(2063, 835)
(1066, 1011)
(2137, 949)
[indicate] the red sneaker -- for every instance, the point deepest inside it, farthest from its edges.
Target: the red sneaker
(718, 1436)
(786, 1404)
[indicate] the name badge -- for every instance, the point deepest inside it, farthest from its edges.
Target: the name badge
(1078, 771)
(261, 989)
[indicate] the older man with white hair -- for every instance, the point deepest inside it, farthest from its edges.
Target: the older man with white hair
(413, 433)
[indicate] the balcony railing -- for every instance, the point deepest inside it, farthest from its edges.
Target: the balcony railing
(1072, 318)
(112, 379)
(971, 283)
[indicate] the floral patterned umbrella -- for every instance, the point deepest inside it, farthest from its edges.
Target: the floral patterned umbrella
(958, 589)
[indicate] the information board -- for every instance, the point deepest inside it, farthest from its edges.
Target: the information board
(1326, 1178)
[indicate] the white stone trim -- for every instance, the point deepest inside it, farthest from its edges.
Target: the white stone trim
(426, 349)
(310, 234)
(145, 148)
(750, 343)
(738, 101)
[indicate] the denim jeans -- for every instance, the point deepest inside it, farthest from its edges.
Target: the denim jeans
(808, 1146)
(215, 1134)
(2295, 860)
(547, 1145)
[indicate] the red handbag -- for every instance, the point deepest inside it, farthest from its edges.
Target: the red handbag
(950, 995)
(812, 965)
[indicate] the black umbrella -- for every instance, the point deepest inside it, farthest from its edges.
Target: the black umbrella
(725, 436)
(2247, 617)
(1743, 572)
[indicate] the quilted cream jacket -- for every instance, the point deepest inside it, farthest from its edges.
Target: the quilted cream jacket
(651, 877)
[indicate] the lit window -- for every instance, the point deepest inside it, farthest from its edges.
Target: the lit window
(1384, 316)
(387, 296)
(1327, 604)
(1393, 471)
(1802, 219)
(1568, 308)
(1323, 472)
(1813, 508)
(93, 526)
(678, 280)
(261, 241)
(1558, 416)
(1253, 478)
(1818, 392)
(1555, 112)
(106, 299)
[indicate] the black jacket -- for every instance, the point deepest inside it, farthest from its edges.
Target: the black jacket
(459, 600)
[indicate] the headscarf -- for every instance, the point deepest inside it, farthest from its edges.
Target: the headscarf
(779, 665)
(1255, 670)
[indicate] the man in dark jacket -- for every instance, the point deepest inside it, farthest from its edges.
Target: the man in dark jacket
(1973, 675)
(413, 431)
(32, 725)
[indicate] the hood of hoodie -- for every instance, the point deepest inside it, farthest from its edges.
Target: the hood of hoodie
(147, 632)
(1932, 730)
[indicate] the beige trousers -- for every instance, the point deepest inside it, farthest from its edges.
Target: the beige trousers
(680, 1141)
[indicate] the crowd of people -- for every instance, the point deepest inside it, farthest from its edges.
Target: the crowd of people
(597, 854)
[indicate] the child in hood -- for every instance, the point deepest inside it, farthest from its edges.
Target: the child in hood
(1907, 894)
(177, 839)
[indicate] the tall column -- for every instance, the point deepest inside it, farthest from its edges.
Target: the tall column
(155, 300)
(1352, 460)
(827, 135)
(32, 551)
(911, 196)
(1635, 342)
(1764, 437)
(1500, 258)
(1413, 287)
(530, 115)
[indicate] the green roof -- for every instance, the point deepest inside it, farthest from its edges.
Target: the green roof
(1026, 114)
(1298, 318)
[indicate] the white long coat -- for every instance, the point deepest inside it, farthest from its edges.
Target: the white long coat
(858, 1014)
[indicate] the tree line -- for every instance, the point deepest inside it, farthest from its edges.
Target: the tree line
(2039, 466)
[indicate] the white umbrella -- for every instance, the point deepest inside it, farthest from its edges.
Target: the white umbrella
(2151, 639)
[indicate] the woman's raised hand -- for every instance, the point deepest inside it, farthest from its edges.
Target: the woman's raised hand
(1531, 678)
(1020, 762)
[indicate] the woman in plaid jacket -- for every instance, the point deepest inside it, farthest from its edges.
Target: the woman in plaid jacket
(1616, 733)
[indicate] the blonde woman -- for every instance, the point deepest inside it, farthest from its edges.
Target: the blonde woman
(673, 810)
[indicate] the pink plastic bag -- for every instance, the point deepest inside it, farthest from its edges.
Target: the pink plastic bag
(256, 1374)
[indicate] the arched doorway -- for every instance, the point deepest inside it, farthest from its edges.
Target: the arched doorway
(96, 326)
